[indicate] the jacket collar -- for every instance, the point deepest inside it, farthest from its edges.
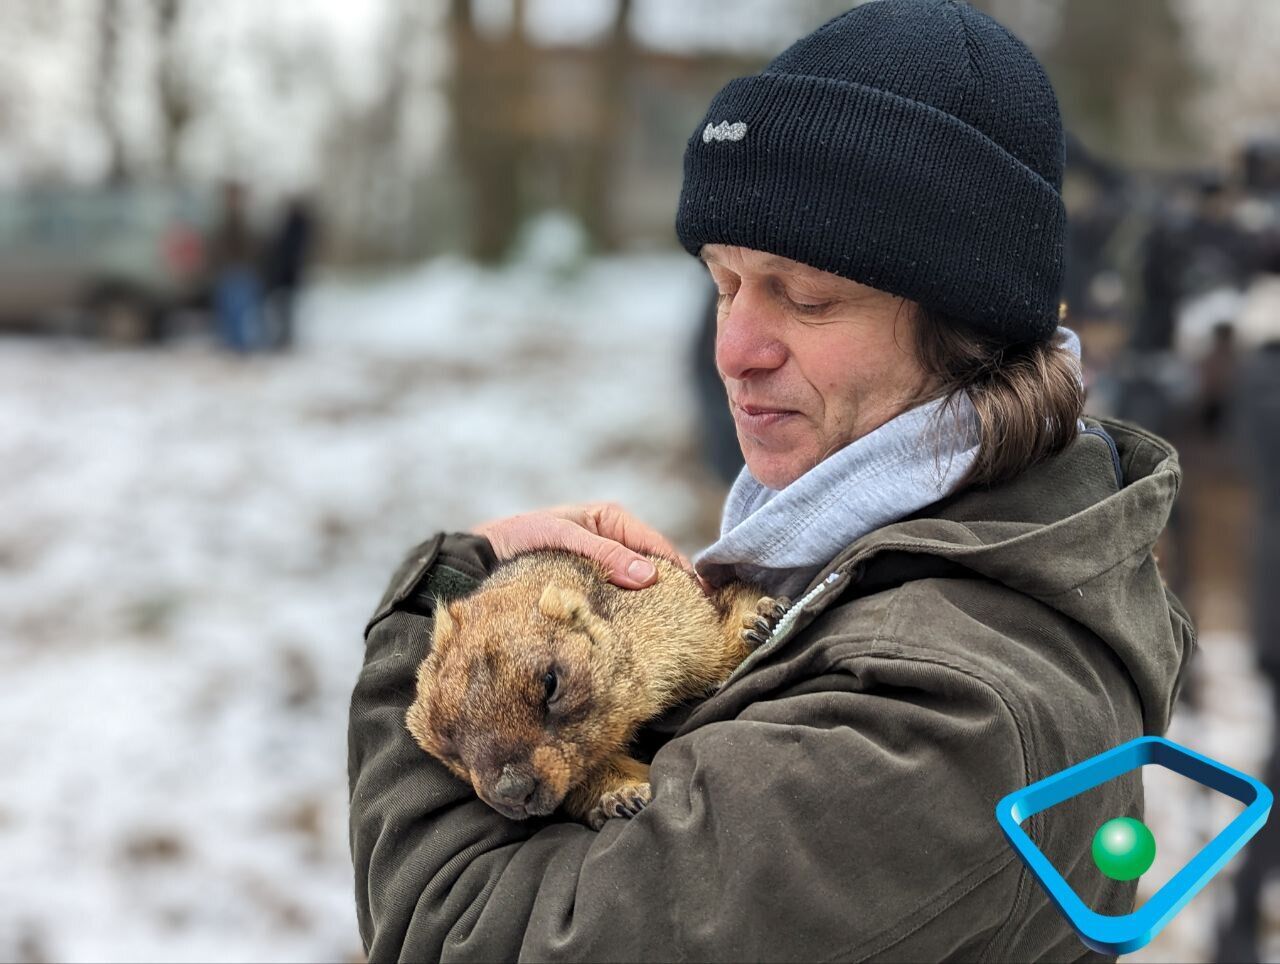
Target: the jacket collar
(1069, 532)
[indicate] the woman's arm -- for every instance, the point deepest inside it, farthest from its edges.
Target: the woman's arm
(846, 816)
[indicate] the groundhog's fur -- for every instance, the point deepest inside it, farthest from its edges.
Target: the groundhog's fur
(537, 681)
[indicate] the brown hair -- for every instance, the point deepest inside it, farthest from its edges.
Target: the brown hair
(1027, 397)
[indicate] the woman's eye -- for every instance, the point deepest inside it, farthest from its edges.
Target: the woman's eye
(811, 308)
(551, 686)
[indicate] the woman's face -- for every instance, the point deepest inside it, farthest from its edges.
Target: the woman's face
(811, 361)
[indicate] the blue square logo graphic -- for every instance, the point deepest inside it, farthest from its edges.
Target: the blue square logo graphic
(1126, 933)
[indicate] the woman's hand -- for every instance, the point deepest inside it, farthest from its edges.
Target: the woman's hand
(602, 531)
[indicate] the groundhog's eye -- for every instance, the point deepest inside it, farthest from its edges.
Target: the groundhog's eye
(551, 686)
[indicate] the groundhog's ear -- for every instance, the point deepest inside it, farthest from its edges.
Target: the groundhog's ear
(446, 622)
(558, 602)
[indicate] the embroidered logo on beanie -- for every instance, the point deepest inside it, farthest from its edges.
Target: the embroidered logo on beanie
(724, 131)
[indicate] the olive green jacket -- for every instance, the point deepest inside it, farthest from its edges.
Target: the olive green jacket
(835, 799)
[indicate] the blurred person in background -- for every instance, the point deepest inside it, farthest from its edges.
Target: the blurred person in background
(237, 287)
(288, 253)
(1152, 380)
(977, 602)
(1194, 260)
(1155, 382)
(1220, 251)
(1164, 257)
(1217, 378)
(1256, 411)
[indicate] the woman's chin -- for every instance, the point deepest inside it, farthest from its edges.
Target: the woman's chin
(777, 470)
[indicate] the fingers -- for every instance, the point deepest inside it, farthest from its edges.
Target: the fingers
(614, 522)
(604, 532)
(542, 530)
(626, 568)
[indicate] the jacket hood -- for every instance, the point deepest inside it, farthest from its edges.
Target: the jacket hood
(1076, 532)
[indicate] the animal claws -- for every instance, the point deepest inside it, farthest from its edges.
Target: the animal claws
(626, 801)
(760, 626)
(757, 626)
(773, 607)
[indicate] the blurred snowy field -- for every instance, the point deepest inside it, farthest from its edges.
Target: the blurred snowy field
(192, 542)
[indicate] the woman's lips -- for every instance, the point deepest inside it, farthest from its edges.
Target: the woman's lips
(756, 418)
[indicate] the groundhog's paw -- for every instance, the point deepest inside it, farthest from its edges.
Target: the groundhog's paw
(625, 801)
(758, 626)
(772, 608)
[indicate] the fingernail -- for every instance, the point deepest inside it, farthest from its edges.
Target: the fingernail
(640, 570)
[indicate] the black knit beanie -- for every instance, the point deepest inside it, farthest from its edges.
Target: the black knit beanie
(911, 145)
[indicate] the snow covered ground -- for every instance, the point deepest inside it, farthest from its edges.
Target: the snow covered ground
(191, 544)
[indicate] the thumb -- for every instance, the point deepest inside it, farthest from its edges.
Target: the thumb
(627, 569)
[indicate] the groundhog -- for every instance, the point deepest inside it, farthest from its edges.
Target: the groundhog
(537, 680)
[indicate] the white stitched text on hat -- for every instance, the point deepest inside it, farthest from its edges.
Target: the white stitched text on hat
(724, 131)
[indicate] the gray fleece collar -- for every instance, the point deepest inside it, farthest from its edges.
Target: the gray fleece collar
(781, 539)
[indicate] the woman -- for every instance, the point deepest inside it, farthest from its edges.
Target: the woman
(977, 605)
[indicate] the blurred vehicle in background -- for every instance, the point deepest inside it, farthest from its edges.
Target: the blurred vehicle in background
(107, 262)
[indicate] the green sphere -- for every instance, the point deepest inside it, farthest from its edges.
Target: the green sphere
(1124, 848)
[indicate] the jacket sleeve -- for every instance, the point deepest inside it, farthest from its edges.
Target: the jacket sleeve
(848, 817)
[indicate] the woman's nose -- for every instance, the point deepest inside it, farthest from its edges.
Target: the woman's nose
(746, 336)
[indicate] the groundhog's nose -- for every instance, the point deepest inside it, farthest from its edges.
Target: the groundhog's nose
(515, 787)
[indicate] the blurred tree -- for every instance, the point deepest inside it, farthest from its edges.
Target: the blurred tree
(107, 89)
(174, 90)
(373, 185)
(1125, 77)
(380, 126)
(490, 74)
(613, 64)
